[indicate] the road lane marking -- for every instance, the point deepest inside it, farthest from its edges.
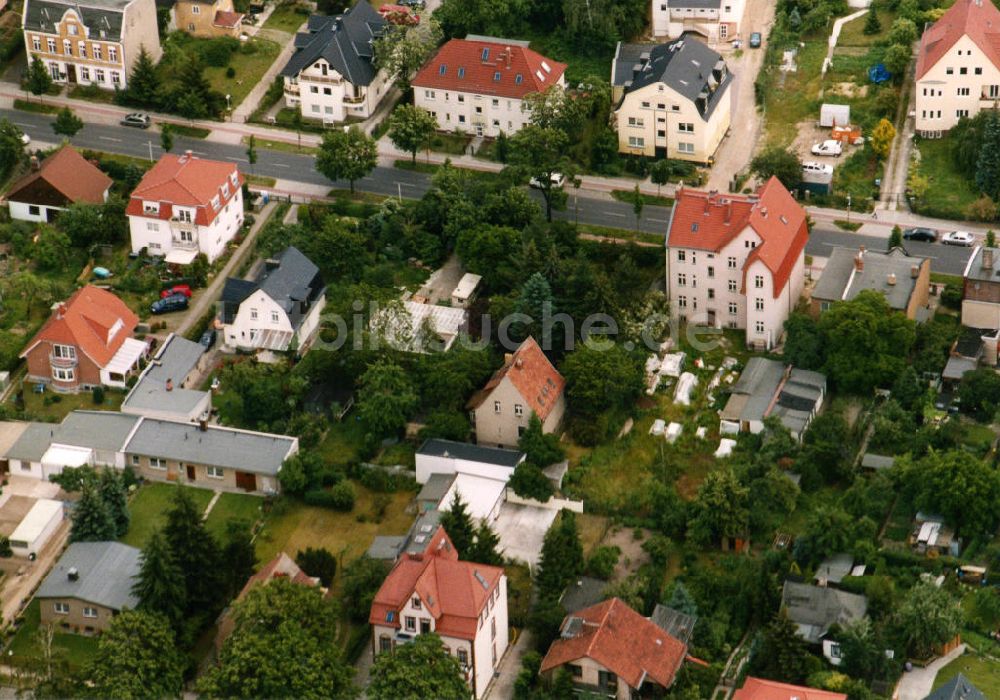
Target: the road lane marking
(280, 165)
(658, 221)
(611, 213)
(109, 138)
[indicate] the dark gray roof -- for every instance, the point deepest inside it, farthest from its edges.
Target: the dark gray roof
(32, 443)
(957, 688)
(814, 609)
(675, 623)
(175, 360)
(105, 572)
(583, 592)
(976, 270)
(344, 41)
(234, 291)
(291, 279)
(261, 453)
(834, 568)
(697, 4)
(386, 547)
(473, 453)
(390, 547)
(840, 280)
(435, 488)
(97, 430)
(753, 395)
(97, 15)
(685, 65)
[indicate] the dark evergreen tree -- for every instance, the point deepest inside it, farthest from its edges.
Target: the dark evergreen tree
(38, 80)
(196, 554)
(92, 520)
(318, 562)
(458, 524)
(988, 164)
(67, 124)
(872, 25)
(143, 85)
(160, 585)
(541, 448)
(535, 300)
(895, 238)
(238, 557)
(528, 481)
(562, 557)
(484, 549)
(681, 600)
(782, 655)
(115, 497)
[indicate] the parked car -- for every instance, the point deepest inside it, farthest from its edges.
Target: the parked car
(927, 235)
(557, 181)
(963, 238)
(176, 289)
(207, 339)
(174, 302)
(25, 139)
(830, 147)
(137, 119)
(755, 40)
(814, 168)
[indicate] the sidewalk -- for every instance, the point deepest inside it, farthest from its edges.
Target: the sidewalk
(899, 217)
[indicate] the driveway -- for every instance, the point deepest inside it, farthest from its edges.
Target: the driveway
(521, 530)
(916, 684)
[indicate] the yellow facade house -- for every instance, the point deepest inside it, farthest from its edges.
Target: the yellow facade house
(207, 20)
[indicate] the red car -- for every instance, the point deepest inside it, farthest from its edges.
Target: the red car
(176, 289)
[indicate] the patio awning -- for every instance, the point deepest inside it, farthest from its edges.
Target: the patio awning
(181, 256)
(127, 357)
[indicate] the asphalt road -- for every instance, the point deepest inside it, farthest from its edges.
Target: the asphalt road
(299, 168)
(946, 259)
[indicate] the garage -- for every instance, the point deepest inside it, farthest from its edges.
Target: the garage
(37, 527)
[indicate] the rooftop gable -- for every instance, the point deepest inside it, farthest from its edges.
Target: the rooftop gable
(977, 19)
(186, 181)
(344, 41)
(535, 378)
(70, 174)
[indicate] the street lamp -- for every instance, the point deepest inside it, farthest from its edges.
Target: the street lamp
(848, 207)
(229, 106)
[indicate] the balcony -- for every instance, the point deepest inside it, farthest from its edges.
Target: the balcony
(291, 89)
(321, 79)
(354, 100)
(62, 362)
(183, 244)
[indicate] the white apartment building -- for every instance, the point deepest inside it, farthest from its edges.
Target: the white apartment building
(332, 75)
(958, 67)
(716, 20)
(95, 42)
(184, 206)
(737, 261)
(477, 85)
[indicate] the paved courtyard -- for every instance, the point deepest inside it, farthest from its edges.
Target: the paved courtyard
(521, 530)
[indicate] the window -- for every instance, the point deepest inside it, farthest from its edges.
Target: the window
(758, 304)
(461, 98)
(758, 281)
(493, 628)
(97, 52)
(949, 71)
(681, 255)
(711, 271)
(384, 643)
(67, 47)
(961, 113)
(685, 147)
(575, 670)
(463, 657)
(496, 77)
(135, 460)
(416, 603)
(686, 127)
(411, 624)
(99, 75)
(61, 608)
(496, 407)
(711, 293)
(327, 91)
(682, 280)
(157, 463)
(963, 71)
(645, 105)
(963, 92)
(214, 472)
(633, 121)
(63, 374)
(89, 611)
(36, 43)
(518, 409)
(116, 77)
(64, 352)
(979, 71)
(461, 72)
(486, 54)
(731, 262)
(34, 210)
(82, 49)
(682, 302)
(425, 626)
(274, 317)
(759, 327)
(732, 285)
(429, 94)
(461, 118)
(195, 10)
(993, 91)
(253, 314)
(51, 43)
(733, 308)
(442, 69)
(636, 141)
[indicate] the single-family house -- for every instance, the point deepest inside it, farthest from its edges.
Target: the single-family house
(96, 43)
(737, 261)
(972, 347)
(814, 609)
(527, 383)
(424, 536)
(185, 206)
(671, 100)
(437, 456)
(165, 388)
(464, 603)
(36, 528)
(958, 687)
(716, 20)
(207, 19)
(611, 650)
(769, 388)
(90, 584)
(332, 74)
(903, 279)
(981, 289)
(86, 342)
(279, 311)
(958, 67)
(64, 178)
(761, 689)
(478, 84)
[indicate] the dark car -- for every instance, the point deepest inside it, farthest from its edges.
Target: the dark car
(137, 119)
(927, 235)
(207, 339)
(174, 302)
(755, 40)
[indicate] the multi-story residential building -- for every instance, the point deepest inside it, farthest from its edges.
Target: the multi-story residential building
(716, 20)
(86, 342)
(207, 19)
(527, 383)
(184, 206)
(981, 289)
(91, 43)
(737, 261)
(903, 279)
(671, 100)
(958, 67)
(332, 74)
(64, 178)
(463, 603)
(478, 84)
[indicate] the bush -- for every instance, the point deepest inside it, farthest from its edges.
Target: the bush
(603, 561)
(98, 395)
(318, 562)
(230, 72)
(342, 496)
(952, 296)
(217, 52)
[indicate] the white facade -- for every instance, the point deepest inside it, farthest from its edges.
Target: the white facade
(181, 234)
(261, 323)
(37, 527)
(472, 113)
(719, 23)
(960, 84)
(320, 92)
(22, 211)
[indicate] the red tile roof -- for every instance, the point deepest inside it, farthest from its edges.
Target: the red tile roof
(74, 176)
(453, 592)
(227, 19)
(534, 377)
(85, 320)
(186, 181)
(709, 221)
(760, 689)
(622, 641)
(464, 69)
(979, 19)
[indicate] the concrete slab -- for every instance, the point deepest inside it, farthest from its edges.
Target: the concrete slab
(521, 530)
(30, 487)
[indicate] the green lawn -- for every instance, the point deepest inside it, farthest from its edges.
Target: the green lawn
(148, 508)
(852, 33)
(984, 673)
(24, 647)
(284, 146)
(250, 68)
(286, 19)
(793, 97)
(52, 406)
(233, 506)
(950, 190)
(628, 196)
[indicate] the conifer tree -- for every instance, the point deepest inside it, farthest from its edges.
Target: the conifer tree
(143, 85)
(458, 524)
(112, 489)
(988, 165)
(160, 585)
(196, 554)
(92, 520)
(485, 549)
(872, 25)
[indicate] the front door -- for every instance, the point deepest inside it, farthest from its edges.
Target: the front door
(190, 472)
(246, 481)
(71, 72)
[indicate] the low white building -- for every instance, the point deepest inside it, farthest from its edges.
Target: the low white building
(332, 74)
(62, 179)
(164, 389)
(37, 527)
(466, 290)
(438, 456)
(715, 20)
(477, 85)
(184, 206)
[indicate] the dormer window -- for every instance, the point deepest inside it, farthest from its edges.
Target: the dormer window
(234, 178)
(225, 190)
(151, 207)
(215, 202)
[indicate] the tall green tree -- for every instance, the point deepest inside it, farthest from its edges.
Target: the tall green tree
(539, 447)
(238, 558)
(283, 645)
(143, 85)
(720, 511)
(872, 25)
(196, 553)
(528, 481)
(637, 204)
(780, 163)
(67, 123)
(988, 164)
(360, 581)
(115, 496)
(420, 669)
(160, 585)
(137, 658)
(39, 80)
(979, 393)
(681, 600)
(167, 137)
(318, 562)
(252, 152)
(928, 617)
(386, 398)
(959, 486)
(599, 379)
(486, 547)
(411, 128)
(92, 519)
(561, 557)
(11, 147)
(895, 238)
(346, 155)
(536, 300)
(540, 155)
(457, 522)
(402, 50)
(782, 655)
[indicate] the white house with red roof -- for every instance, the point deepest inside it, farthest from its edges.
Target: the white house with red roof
(86, 342)
(958, 66)
(62, 179)
(527, 383)
(184, 206)
(478, 84)
(462, 602)
(737, 261)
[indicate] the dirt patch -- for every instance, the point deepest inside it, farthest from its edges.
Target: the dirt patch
(808, 134)
(632, 555)
(847, 90)
(13, 512)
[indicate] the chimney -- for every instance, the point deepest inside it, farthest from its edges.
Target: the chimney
(170, 384)
(186, 157)
(203, 425)
(271, 264)
(519, 363)
(508, 358)
(73, 574)
(987, 258)
(34, 163)
(763, 212)
(891, 279)
(914, 271)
